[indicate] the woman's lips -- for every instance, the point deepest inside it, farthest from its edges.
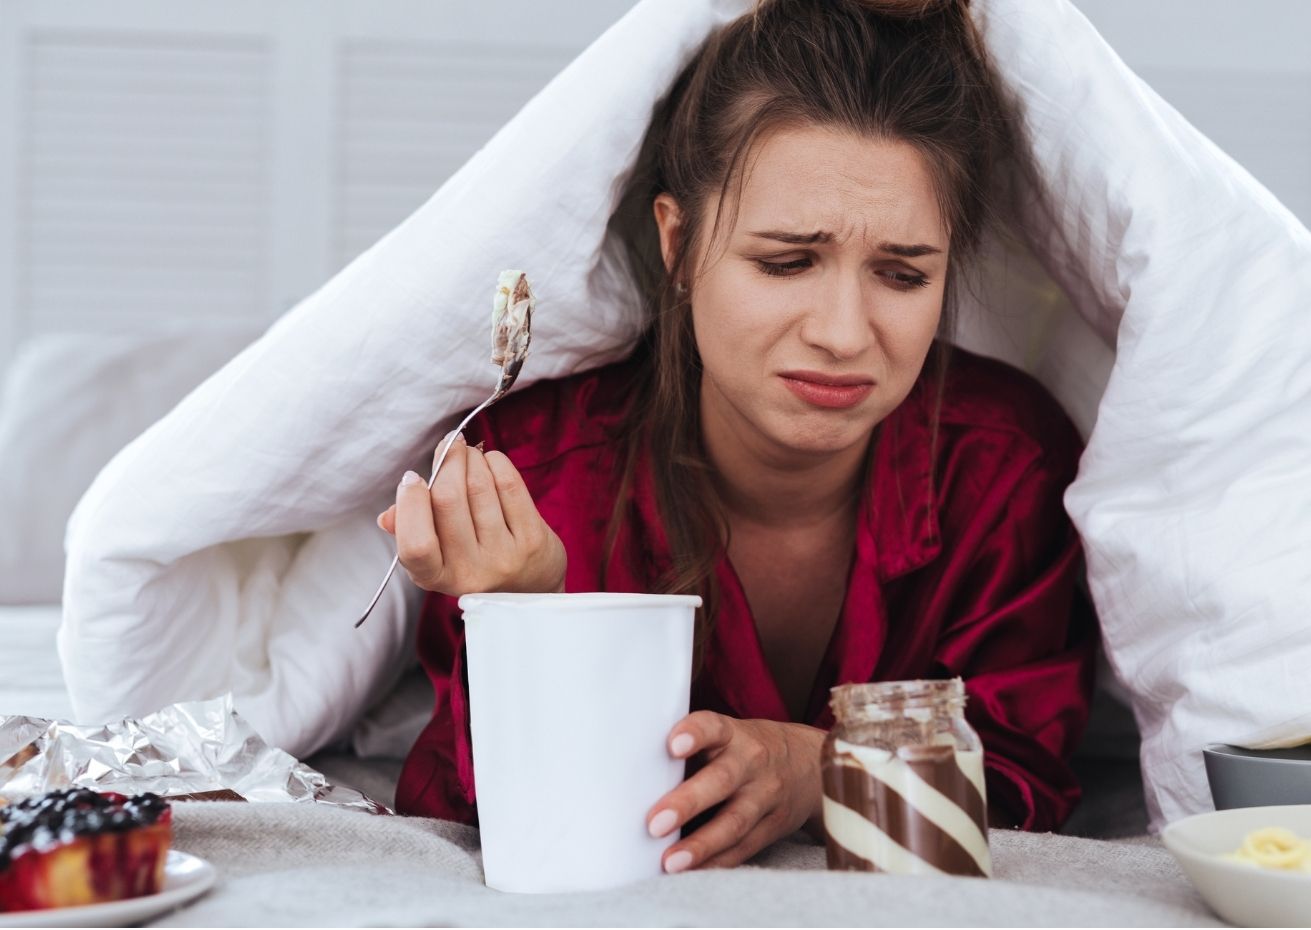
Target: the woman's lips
(830, 391)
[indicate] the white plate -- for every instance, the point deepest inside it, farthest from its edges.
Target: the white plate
(185, 877)
(1246, 895)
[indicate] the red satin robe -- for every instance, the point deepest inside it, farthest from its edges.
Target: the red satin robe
(972, 576)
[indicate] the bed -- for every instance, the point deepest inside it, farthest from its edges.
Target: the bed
(304, 864)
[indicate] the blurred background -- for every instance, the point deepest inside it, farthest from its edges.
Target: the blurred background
(175, 175)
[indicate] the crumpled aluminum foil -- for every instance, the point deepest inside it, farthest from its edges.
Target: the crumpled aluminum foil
(185, 749)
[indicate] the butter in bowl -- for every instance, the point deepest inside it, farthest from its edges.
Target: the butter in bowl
(1252, 865)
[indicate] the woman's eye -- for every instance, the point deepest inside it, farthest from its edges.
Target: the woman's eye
(910, 280)
(787, 269)
(783, 268)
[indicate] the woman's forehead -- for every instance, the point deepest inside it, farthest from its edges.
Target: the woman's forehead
(814, 179)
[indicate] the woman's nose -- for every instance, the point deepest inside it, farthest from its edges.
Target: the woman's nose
(838, 322)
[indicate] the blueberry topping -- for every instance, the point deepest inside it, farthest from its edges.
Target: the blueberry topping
(62, 816)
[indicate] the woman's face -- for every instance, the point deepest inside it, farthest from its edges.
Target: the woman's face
(814, 313)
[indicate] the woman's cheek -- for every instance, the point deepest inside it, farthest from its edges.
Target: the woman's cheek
(722, 325)
(743, 321)
(906, 338)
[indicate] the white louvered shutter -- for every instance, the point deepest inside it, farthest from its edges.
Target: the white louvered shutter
(172, 161)
(411, 114)
(144, 168)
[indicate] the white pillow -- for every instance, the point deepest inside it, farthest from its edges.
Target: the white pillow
(1193, 537)
(69, 402)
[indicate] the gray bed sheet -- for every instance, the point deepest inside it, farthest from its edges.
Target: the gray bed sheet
(306, 865)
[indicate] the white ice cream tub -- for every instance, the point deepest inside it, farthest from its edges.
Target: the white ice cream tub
(571, 700)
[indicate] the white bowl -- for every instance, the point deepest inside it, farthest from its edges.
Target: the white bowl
(1249, 896)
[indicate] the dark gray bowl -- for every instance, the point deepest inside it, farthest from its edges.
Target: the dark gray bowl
(1257, 777)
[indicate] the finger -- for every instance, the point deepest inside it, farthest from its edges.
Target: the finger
(387, 520)
(517, 505)
(725, 831)
(450, 507)
(760, 836)
(719, 780)
(417, 545)
(484, 502)
(448, 439)
(698, 732)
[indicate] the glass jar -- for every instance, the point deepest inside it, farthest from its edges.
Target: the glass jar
(903, 781)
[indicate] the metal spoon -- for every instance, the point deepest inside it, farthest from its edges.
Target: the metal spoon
(512, 315)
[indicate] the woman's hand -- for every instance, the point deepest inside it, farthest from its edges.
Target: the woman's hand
(767, 773)
(476, 530)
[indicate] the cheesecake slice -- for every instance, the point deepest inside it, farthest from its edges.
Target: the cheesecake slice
(78, 846)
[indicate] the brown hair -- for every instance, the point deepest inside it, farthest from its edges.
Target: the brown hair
(907, 70)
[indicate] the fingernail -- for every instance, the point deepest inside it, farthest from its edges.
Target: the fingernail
(681, 745)
(678, 861)
(662, 823)
(409, 478)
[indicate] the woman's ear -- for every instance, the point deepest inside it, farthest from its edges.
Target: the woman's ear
(668, 219)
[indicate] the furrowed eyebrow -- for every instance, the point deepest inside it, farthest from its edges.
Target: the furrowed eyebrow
(795, 238)
(821, 237)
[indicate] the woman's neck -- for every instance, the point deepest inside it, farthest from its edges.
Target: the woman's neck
(771, 487)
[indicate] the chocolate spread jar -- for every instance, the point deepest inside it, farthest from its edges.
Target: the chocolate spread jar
(903, 781)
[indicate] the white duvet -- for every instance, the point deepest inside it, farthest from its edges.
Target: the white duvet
(232, 545)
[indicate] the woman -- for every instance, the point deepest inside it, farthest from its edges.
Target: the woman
(793, 440)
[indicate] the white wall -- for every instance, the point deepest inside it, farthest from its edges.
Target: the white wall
(165, 161)
(1239, 72)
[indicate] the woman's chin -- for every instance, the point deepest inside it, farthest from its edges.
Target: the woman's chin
(823, 439)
